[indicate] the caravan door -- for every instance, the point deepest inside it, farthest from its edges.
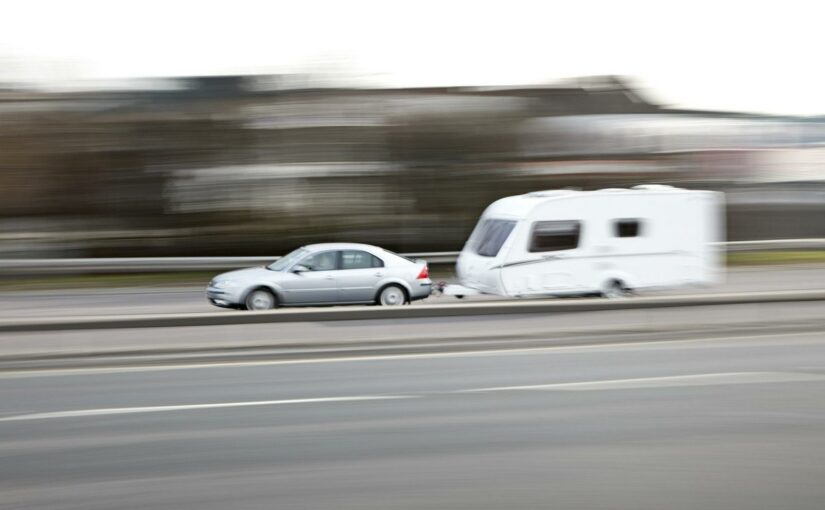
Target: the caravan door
(550, 263)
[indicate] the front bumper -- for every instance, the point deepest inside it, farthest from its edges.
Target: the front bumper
(219, 297)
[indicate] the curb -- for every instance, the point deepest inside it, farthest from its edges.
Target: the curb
(298, 352)
(405, 312)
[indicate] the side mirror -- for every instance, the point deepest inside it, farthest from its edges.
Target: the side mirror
(299, 269)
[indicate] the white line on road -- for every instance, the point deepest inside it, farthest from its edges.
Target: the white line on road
(664, 382)
(58, 372)
(612, 384)
(188, 407)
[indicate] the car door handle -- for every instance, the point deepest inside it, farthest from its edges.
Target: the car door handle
(329, 278)
(379, 274)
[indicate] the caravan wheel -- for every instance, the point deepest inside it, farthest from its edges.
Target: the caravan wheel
(616, 289)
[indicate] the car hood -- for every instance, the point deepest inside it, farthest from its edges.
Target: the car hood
(250, 274)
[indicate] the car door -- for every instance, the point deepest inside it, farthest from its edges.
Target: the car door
(359, 276)
(318, 284)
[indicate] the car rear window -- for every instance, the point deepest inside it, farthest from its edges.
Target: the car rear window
(398, 255)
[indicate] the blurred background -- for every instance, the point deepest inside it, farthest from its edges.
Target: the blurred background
(115, 141)
(243, 165)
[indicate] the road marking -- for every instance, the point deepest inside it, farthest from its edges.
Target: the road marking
(663, 382)
(390, 357)
(712, 379)
(187, 407)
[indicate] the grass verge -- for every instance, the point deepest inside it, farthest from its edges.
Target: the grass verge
(761, 258)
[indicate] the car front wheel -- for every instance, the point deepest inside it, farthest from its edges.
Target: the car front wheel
(260, 299)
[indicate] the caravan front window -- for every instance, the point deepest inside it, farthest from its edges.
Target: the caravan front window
(490, 237)
(554, 236)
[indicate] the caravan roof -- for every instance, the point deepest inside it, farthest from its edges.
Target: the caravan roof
(520, 206)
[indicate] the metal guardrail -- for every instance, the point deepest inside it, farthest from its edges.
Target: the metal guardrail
(17, 267)
(160, 264)
(774, 244)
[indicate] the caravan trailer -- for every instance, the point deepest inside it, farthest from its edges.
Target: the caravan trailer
(609, 242)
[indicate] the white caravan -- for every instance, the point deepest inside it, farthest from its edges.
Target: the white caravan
(607, 242)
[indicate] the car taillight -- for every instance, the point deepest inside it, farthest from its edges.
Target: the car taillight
(424, 274)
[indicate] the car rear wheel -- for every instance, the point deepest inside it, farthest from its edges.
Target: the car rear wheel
(392, 296)
(260, 299)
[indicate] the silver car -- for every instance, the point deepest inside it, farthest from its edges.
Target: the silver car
(324, 274)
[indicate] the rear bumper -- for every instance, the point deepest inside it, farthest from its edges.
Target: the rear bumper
(421, 290)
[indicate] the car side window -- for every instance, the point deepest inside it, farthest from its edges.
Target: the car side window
(322, 261)
(356, 259)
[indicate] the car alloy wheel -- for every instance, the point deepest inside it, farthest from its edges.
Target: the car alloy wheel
(392, 296)
(260, 300)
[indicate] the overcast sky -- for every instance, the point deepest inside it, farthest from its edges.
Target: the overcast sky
(751, 56)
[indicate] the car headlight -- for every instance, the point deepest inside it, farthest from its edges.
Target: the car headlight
(225, 284)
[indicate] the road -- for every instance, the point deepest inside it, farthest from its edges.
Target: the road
(155, 300)
(268, 340)
(723, 423)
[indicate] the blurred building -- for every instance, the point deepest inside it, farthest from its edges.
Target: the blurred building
(255, 165)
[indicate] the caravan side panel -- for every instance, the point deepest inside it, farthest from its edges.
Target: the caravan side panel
(549, 254)
(645, 239)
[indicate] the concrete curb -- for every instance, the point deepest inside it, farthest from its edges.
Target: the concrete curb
(292, 352)
(406, 312)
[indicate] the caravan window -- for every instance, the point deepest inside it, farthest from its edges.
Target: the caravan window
(490, 237)
(555, 235)
(626, 228)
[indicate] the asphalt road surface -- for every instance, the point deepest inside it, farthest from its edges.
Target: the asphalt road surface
(155, 300)
(721, 423)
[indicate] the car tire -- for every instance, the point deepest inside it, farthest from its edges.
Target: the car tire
(392, 295)
(260, 299)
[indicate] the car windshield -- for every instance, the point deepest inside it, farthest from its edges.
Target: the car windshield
(287, 260)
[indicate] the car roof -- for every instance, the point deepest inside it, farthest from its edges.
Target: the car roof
(341, 246)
